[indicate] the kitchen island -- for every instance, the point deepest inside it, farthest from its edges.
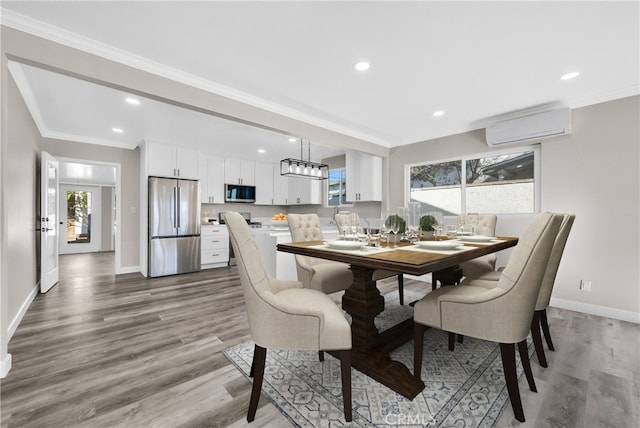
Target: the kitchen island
(278, 264)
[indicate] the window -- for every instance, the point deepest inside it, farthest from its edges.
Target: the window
(337, 187)
(78, 217)
(502, 183)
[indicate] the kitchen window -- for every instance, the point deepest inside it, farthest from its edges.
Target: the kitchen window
(337, 187)
(502, 182)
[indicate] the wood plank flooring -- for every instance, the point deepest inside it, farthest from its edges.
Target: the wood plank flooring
(104, 351)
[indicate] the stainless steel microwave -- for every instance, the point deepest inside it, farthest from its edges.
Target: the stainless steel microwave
(239, 193)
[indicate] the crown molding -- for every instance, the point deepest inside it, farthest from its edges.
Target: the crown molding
(67, 38)
(17, 72)
(89, 140)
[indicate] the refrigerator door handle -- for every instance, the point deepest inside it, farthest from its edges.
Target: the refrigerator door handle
(174, 208)
(178, 203)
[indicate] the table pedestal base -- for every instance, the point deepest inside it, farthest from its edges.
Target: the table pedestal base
(370, 352)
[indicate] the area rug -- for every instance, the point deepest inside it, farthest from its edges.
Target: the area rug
(464, 388)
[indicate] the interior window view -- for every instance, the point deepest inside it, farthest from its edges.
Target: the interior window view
(502, 184)
(78, 217)
(320, 214)
(337, 187)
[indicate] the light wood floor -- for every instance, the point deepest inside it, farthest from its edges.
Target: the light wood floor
(127, 351)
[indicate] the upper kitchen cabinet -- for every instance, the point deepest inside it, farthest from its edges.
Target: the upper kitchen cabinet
(280, 187)
(364, 176)
(264, 186)
(211, 171)
(239, 171)
(304, 191)
(170, 160)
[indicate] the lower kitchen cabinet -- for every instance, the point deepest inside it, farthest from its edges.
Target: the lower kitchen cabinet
(214, 244)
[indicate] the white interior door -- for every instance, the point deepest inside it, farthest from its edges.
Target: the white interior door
(48, 222)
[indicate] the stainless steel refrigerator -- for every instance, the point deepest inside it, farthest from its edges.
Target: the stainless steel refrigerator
(174, 226)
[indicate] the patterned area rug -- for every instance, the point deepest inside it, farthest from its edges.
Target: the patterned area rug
(464, 388)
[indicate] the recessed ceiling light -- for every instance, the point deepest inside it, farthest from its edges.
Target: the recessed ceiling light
(569, 76)
(117, 130)
(132, 101)
(362, 65)
(438, 113)
(261, 150)
(293, 140)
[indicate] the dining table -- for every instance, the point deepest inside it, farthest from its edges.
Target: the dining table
(371, 349)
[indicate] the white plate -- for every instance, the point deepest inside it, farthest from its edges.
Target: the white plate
(476, 238)
(463, 233)
(438, 245)
(345, 245)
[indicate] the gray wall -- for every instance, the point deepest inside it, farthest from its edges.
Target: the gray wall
(21, 171)
(106, 240)
(592, 173)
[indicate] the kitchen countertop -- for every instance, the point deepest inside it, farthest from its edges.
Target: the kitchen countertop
(277, 232)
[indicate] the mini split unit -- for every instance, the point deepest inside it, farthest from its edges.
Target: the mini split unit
(552, 123)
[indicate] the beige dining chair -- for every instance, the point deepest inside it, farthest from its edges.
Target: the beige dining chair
(489, 280)
(501, 314)
(326, 275)
(285, 315)
(487, 263)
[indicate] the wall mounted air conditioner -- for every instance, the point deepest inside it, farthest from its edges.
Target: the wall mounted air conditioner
(537, 126)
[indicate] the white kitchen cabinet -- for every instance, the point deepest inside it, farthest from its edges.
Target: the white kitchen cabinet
(214, 246)
(170, 160)
(211, 173)
(364, 176)
(239, 171)
(304, 191)
(280, 187)
(264, 183)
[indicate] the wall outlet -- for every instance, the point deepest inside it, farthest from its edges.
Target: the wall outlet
(585, 285)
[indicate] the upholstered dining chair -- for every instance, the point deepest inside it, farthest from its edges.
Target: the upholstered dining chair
(489, 280)
(487, 263)
(501, 314)
(285, 315)
(325, 275)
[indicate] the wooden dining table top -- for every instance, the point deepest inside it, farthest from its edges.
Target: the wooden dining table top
(406, 258)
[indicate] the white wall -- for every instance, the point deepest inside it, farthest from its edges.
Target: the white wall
(592, 173)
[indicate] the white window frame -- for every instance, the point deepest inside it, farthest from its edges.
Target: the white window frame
(463, 186)
(326, 187)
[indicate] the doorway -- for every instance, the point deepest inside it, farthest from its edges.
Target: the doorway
(81, 219)
(89, 210)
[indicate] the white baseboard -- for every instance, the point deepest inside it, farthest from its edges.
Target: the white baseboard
(5, 366)
(15, 322)
(128, 269)
(602, 311)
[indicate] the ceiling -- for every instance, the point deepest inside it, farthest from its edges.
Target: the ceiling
(471, 60)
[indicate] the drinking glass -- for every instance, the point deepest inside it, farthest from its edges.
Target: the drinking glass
(413, 220)
(473, 219)
(437, 224)
(354, 221)
(385, 226)
(343, 220)
(394, 227)
(364, 231)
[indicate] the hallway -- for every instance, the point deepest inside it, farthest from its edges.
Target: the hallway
(86, 265)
